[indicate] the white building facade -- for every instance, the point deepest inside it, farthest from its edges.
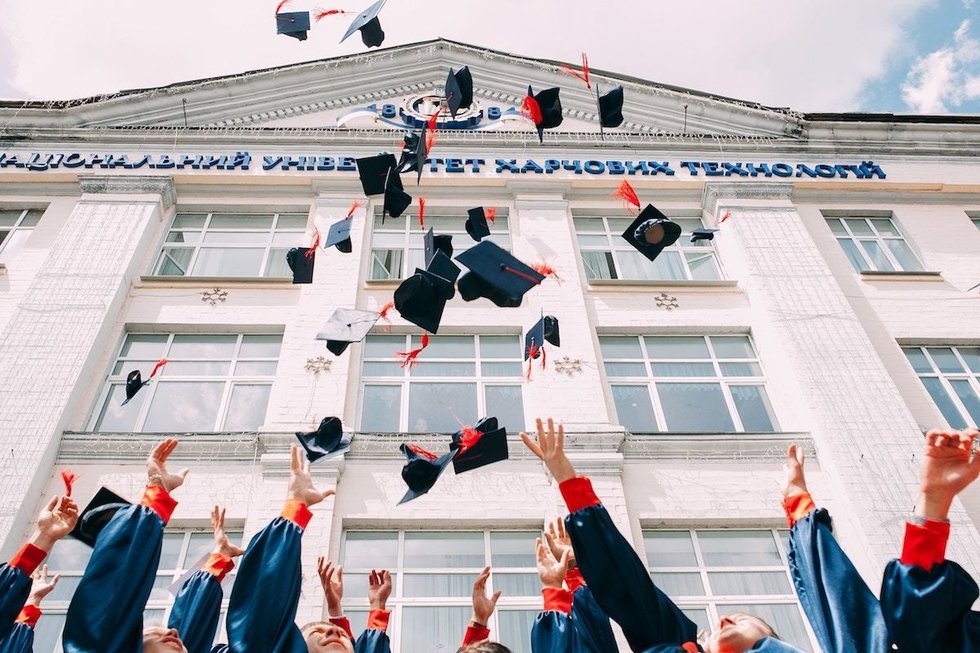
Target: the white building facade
(832, 309)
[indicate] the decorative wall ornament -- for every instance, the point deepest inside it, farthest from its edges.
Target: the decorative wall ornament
(568, 366)
(318, 364)
(214, 296)
(666, 301)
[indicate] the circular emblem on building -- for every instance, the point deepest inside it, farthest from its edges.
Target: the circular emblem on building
(417, 110)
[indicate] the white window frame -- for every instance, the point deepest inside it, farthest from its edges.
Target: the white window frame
(880, 239)
(976, 221)
(615, 245)
(270, 245)
(970, 376)
(650, 380)
(30, 216)
(229, 378)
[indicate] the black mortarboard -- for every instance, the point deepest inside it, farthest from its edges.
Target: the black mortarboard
(373, 171)
(326, 441)
(443, 267)
(703, 233)
(652, 222)
(301, 264)
(505, 278)
(437, 243)
(293, 23)
(414, 153)
(459, 90)
(611, 107)
(339, 235)
(134, 381)
(550, 106)
(476, 224)
(396, 200)
(485, 443)
(369, 25)
(97, 514)
(545, 330)
(345, 326)
(421, 472)
(421, 299)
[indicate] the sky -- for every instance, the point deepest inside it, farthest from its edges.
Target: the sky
(895, 56)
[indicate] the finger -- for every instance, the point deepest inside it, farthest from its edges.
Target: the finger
(564, 559)
(532, 445)
(306, 466)
(551, 529)
(561, 529)
(373, 579)
(52, 504)
(542, 442)
(560, 444)
(340, 574)
(54, 581)
(540, 552)
(931, 437)
(551, 541)
(386, 576)
(183, 473)
(295, 464)
(496, 595)
(319, 565)
(222, 517)
(551, 434)
(481, 580)
(329, 493)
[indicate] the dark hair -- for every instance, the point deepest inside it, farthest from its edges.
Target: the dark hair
(486, 646)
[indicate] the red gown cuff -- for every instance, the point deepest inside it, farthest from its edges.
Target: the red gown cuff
(28, 558)
(578, 493)
(29, 615)
(574, 579)
(344, 623)
(218, 565)
(925, 545)
(297, 512)
(798, 506)
(475, 634)
(159, 501)
(557, 599)
(378, 620)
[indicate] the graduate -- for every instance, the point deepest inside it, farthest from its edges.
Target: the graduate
(651, 622)
(337, 630)
(925, 599)
(21, 638)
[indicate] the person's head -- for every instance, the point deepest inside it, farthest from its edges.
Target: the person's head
(160, 639)
(738, 632)
(486, 646)
(325, 637)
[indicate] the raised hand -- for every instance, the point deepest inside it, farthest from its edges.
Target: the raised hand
(795, 482)
(559, 542)
(41, 586)
(379, 589)
(550, 448)
(483, 605)
(551, 571)
(156, 467)
(301, 486)
(948, 467)
(221, 542)
(332, 581)
(56, 520)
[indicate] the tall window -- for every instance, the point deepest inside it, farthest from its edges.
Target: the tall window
(433, 574)
(397, 246)
(694, 384)
(15, 228)
(230, 244)
(455, 378)
(212, 382)
(874, 244)
(711, 573)
(606, 255)
(951, 375)
(182, 550)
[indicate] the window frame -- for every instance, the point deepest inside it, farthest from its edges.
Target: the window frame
(879, 239)
(972, 377)
(33, 215)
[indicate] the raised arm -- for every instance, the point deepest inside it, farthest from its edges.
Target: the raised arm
(21, 638)
(374, 639)
(553, 631)
(483, 607)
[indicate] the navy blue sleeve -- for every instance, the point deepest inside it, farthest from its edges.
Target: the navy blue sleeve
(621, 584)
(373, 641)
(929, 611)
(553, 632)
(106, 612)
(594, 633)
(844, 613)
(262, 611)
(15, 586)
(197, 611)
(18, 640)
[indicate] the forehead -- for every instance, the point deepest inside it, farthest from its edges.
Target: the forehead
(744, 616)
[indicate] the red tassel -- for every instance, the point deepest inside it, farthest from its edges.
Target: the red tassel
(156, 368)
(544, 358)
(727, 215)
(353, 207)
(491, 213)
(527, 375)
(531, 110)
(546, 270)
(419, 451)
(408, 357)
(584, 75)
(68, 478)
(470, 437)
(385, 309)
(521, 274)
(431, 127)
(281, 4)
(628, 195)
(323, 13)
(422, 213)
(311, 252)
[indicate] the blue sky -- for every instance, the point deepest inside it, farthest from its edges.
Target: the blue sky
(900, 56)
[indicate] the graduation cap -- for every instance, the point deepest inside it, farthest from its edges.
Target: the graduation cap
(96, 515)
(479, 445)
(414, 153)
(374, 173)
(345, 326)
(339, 236)
(437, 243)
(544, 109)
(135, 382)
(476, 224)
(651, 232)
(545, 330)
(495, 274)
(422, 298)
(293, 23)
(459, 90)
(703, 233)
(610, 107)
(422, 470)
(300, 260)
(368, 24)
(326, 441)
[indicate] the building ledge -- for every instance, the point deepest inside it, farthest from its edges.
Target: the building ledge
(921, 275)
(714, 447)
(157, 281)
(643, 285)
(382, 284)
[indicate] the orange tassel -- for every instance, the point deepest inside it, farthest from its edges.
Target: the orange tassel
(491, 213)
(281, 4)
(408, 358)
(422, 213)
(385, 309)
(531, 110)
(546, 270)
(419, 451)
(431, 127)
(156, 368)
(353, 207)
(584, 75)
(727, 215)
(311, 252)
(68, 478)
(628, 195)
(323, 13)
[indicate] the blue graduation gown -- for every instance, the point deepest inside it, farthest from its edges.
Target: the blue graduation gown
(585, 629)
(20, 639)
(15, 586)
(197, 611)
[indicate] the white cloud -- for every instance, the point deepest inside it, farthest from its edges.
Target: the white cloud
(808, 56)
(946, 78)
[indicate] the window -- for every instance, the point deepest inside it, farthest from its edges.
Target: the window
(398, 248)
(951, 375)
(433, 573)
(449, 382)
(15, 228)
(694, 384)
(711, 573)
(976, 222)
(230, 244)
(606, 255)
(212, 382)
(874, 244)
(182, 550)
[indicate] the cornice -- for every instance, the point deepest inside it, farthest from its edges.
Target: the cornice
(751, 191)
(130, 184)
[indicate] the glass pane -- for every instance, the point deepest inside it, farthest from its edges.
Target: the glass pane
(48, 631)
(255, 368)
(703, 266)
(688, 225)
(212, 347)
(246, 410)
(679, 584)
(593, 242)
(386, 264)
(785, 619)
(449, 347)
(506, 403)
(116, 418)
(432, 407)
(699, 616)
(945, 359)
(235, 221)
(236, 237)
(634, 408)
(626, 369)
(500, 347)
(972, 357)
(859, 227)
(668, 266)
(877, 256)
(516, 584)
(189, 368)
(903, 254)
(443, 369)
(144, 345)
(444, 550)
(633, 265)
(695, 407)
(740, 369)
(946, 406)
(854, 255)
(836, 226)
(174, 261)
(189, 220)
(32, 218)
(170, 551)
(515, 627)
(380, 346)
(381, 408)
(370, 550)
(9, 217)
(292, 221)
(288, 239)
(513, 549)
(429, 585)
(677, 347)
(683, 369)
(355, 586)
(433, 629)
(669, 549)
(184, 406)
(260, 346)
(200, 545)
(885, 227)
(618, 225)
(599, 265)
(732, 347)
(918, 360)
(968, 397)
(752, 404)
(218, 262)
(589, 224)
(383, 369)
(64, 590)
(738, 548)
(620, 347)
(749, 582)
(276, 265)
(501, 369)
(69, 555)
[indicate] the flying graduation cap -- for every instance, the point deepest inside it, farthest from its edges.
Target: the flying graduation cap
(414, 154)
(292, 23)
(96, 515)
(544, 109)
(421, 299)
(479, 445)
(339, 236)
(346, 326)
(544, 331)
(437, 243)
(459, 90)
(326, 441)
(651, 232)
(422, 470)
(379, 176)
(368, 25)
(610, 107)
(301, 260)
(496, 275)
(703, 233)
(476, 222)
(135, 382)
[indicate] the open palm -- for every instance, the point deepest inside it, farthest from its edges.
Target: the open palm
(949, 465)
